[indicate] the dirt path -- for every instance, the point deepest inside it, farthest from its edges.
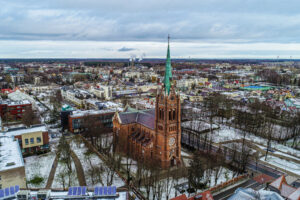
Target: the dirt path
(79, 169)
(52, 173)
(104, 159)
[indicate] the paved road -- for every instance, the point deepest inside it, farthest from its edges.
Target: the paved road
(226, 194)
(265, 170)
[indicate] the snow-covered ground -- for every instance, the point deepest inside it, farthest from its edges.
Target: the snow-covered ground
(184, 153)
(93, 165)
(131, 163)
(62, 176)
(198, 125)
(39, 166)
(286, 155)
(226, 134)
(283, 164)
(223, 175)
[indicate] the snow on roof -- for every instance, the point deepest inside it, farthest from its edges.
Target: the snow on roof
(278, 182)
(11, 102)
(249, 194)
(295, 195)
(24, 130)
(20, 96)
(286, 190)
(10, 154)
(81, 113)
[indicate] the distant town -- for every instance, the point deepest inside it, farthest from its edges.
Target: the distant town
(150, 129)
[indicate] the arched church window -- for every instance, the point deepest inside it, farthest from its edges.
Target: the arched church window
(174, 114)
(170, 115)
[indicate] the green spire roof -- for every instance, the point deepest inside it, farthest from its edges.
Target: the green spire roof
(168, 70)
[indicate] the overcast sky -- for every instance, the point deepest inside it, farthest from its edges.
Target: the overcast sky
(126, 28)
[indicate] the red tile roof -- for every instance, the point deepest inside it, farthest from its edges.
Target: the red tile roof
(181, 197)
(263, 178)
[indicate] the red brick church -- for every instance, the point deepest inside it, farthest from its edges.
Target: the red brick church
(153, 134)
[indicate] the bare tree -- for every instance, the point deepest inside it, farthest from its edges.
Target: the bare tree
(29, 117)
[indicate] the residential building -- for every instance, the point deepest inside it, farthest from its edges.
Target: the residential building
(75, 96)
(13, 109)
(32, 139)
(12, 170)
(76, 119)
(281, 187)
(20, 96)
(102, 92)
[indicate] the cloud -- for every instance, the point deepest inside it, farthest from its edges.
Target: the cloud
(126, 49)
(192, 22)
(108, 49)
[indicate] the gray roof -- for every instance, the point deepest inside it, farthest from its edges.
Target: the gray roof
(143, 117)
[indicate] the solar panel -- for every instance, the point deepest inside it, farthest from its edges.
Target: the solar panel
(100, 191)
(70, 191)
(74, 190)
(96, 191)
(114, 190)
(1, 193)
(105, 191)
(79, 191)
(109, 191)
(6, 190)
(12, 190)
(17, 188)
(83, 191)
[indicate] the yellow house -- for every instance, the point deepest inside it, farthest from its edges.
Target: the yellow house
(196, 98)
(32, 139)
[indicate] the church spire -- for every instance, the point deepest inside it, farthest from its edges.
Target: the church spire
(168, 70)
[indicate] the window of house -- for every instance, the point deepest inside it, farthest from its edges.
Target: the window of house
(31, 140)
(26, 141)
(38, 139)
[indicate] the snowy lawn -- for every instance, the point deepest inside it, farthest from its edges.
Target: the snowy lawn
(283, 164)
(39, 166)
(95, 171)
(227, 134)
(168, 186)
(286, 155)
(61, 177)
(198, 125)
(184, 153)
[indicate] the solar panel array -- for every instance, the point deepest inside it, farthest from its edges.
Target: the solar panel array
(9, 192)
(105, 191)
(77, 191)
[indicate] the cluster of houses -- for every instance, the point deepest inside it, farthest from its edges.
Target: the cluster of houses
(16, 143)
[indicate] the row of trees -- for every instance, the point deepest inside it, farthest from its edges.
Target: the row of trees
(259, 118)
(274, 77)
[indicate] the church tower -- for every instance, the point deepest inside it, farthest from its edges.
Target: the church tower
(167, 120)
